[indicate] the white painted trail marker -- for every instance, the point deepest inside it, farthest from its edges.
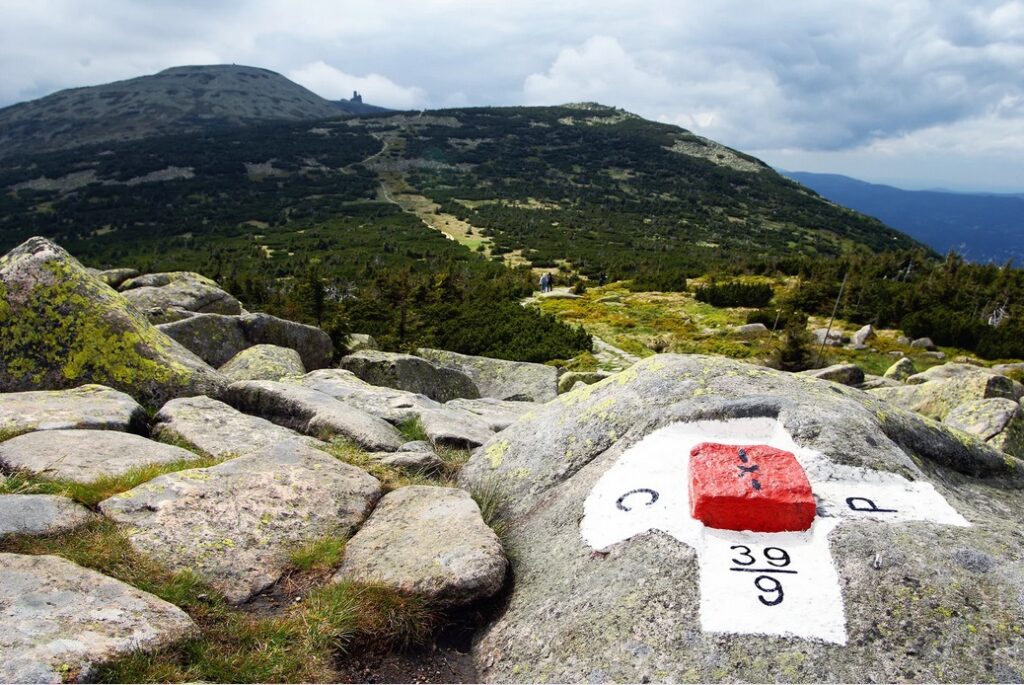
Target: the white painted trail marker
(759, 583)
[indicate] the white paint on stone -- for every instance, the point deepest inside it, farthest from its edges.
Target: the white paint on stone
(787, 583)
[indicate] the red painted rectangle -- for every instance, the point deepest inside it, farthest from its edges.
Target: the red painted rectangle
(749, 487)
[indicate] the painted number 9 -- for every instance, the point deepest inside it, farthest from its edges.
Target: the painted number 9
(769, 585)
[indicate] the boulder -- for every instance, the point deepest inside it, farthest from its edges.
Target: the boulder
(234, 524)
(64, 328)
(83, 456)
(214, 338)
(430, 542)
(394, 406)
(159, 315)
(845, 374)
(569, 379)
(616, 582)
(751, 330)
(923, 344)
(409, 373)
(313, 413)
(41, 515)
(212, 427)
(1005, 369)
(901, 370)
(115, 277)
(312, 344)
(60, 620)
(903, 341)
(181, 289)
(361, 341)
(497, 414)
(871, 381)
(951, 371)
(85, 407)
(863, 335)
(500, 378)
(451, 427)
(936, 399)
(997, 421)
(835, 338)
(418, 461)
(263, 363)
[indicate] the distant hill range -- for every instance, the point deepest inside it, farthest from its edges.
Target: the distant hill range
(982, 227)
(177, 100)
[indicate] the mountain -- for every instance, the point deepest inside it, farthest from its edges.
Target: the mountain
(982, 227)
(175, 100)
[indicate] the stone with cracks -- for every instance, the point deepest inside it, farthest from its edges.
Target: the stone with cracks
(214, 428)
(264, 363)
(84, 456)
(394, 406)
(235, 524)
(59, 620)
(923, 601)
(312, 344)
(846, 374)
(500, 378)
(901, 370)
(428, 541)
(313, 413)
(182, 289)
(62, 328)
(86, 407)
(997, 421)
(498, 414)
(214, 338)
(41, 514)
(936, 399)
(409, 373)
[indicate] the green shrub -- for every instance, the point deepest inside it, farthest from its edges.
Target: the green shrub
(735, 294)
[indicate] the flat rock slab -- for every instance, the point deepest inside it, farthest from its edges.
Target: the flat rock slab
(936, 399)
(182, 289)
(420, 461)
(219, 429)
(214, 338)
(263, 363)
(499, 378)
(455, 428)
(410, 373)
(430, 542)
(234, 524)
(59, 620)
(497, 414)
(394, 406)
(85, 455)
(41, 514)
(313, 413)
(85, 407)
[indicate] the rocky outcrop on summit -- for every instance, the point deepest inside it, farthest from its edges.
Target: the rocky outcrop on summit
(430, 542)
(180, 289)
(61, 620)
(83, 456)
(409, 373)
(235, 523)
(41, 515)
(926, 601)
(264, 363)
(499, 378)
(64, 328)
(214, 428)
(86, 407)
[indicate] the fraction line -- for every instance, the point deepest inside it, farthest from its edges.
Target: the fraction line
(763, 570)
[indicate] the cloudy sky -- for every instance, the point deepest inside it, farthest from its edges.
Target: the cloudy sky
(918, 94)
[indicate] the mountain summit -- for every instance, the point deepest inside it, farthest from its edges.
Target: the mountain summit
(176, 100)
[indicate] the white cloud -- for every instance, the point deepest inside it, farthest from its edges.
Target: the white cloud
(333, 83)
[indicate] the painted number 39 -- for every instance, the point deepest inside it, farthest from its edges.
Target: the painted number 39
(776, 560)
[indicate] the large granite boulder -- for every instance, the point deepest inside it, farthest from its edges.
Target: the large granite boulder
(910, 570)
(935, 399)
(998, 421)
(312, 344)
(497, 414)
(212, 427)
(62, 327)
(313, 413)
(846, 374)
(59, 620)
(214, 338)
(41, 515)
(430, 542)
(234, 524)
(953, 371)
(83, 456)
(181, 289)
(901, 370)
(409, 373)
(85, 407)
(263, 363)
(499, 378)
(394, 406)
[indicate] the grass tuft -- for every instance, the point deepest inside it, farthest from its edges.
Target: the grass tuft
(392, 478)
(319, 555)
(412, 430)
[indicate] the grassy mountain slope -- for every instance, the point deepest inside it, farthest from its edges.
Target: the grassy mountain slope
(981, 227)
(172, 101)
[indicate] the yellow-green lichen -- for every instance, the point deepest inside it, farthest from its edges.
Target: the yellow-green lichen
(496, 453)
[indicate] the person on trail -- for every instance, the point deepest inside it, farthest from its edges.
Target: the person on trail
(545, 283)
